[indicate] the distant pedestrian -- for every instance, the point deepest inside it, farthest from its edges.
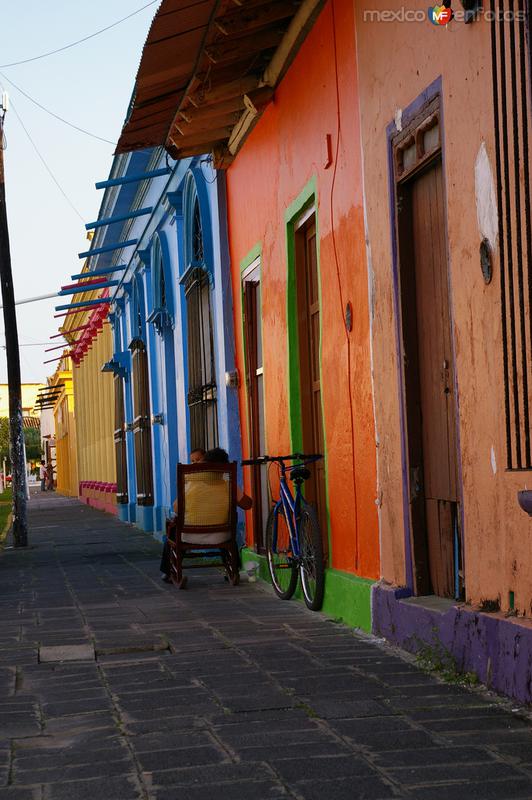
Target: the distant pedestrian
(42, 476)
(50, 476)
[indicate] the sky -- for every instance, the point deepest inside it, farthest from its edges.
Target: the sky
(90, 86)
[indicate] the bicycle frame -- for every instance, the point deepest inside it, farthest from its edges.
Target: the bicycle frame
(291, 506)
(303, 559)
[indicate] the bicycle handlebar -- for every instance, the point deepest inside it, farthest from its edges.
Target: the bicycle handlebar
(307, 457)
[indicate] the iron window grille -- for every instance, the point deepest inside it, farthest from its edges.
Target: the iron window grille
(512, 88)
(202, 392)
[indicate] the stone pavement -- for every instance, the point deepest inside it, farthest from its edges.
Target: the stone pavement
(216, 692)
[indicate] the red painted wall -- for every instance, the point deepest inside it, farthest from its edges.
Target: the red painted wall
(318, 96)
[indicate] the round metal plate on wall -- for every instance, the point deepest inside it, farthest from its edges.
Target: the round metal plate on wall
(486, 264)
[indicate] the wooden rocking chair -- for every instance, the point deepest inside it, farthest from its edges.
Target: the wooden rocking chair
(206, 519)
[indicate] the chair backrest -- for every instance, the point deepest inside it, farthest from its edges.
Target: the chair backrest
(206, 498)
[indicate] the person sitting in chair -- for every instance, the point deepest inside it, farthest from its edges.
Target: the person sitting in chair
(217, 487)
(206, 495)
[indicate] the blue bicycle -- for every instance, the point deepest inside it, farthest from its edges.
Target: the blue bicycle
(293, 536)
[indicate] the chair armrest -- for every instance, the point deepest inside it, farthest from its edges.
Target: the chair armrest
(171, 528)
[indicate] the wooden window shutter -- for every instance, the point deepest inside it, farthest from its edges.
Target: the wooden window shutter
(141, 424)
(120, 442)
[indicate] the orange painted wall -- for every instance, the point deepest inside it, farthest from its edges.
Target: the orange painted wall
(284, 151)
(396, 62)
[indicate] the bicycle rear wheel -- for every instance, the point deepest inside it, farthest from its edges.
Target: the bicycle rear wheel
(312, 568)
(283, 570)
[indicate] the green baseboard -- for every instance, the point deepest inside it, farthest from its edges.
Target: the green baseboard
(347, 597)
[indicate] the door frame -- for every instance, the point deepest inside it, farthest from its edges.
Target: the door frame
(297, 213)
(250, 264)
(429, 95)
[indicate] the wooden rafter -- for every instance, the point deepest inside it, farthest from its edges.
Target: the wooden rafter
(222, 71)
(204, 124)
(223, 91)
(210, 111)
(253, 16)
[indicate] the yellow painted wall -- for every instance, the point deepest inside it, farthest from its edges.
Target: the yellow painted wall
(29, 395)
(65, 433)
(94, 393)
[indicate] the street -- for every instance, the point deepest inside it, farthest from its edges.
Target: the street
(216, 691)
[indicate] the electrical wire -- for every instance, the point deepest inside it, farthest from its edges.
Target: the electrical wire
(79, 41)
(340, 290)
(51, 174)
(53, 114)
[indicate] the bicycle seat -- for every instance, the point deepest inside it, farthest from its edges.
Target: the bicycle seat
(300, 474)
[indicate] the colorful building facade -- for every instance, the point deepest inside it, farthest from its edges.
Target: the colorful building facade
(448, 214)
(347, 272)
(91, 346)
(29, 392)
(170, 301)
(298, 256)
(283, 122)
(66, 455)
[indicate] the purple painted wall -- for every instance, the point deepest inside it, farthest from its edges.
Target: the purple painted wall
(496, 648)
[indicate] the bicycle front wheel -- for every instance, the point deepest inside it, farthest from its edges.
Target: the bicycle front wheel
(312, 568)
(281, 564)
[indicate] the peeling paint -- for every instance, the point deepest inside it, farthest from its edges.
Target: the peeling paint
(487, 218)
(398, 119)
(493, 460)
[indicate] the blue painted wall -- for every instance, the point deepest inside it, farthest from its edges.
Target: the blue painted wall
(164, 252)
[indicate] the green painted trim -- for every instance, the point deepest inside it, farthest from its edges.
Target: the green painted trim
(347, 597)
(254, 253)
(307, 197)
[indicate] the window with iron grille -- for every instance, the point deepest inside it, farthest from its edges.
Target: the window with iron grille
(201, 367)
(197, 281)
(201, 396)
(141, 423)
(141, 398)
(511, 93)
(161, 316)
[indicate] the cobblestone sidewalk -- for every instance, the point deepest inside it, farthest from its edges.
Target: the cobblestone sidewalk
(216, 692)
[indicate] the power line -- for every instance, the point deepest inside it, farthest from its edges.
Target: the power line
(51, 174)
(53, 114)
(79, 41)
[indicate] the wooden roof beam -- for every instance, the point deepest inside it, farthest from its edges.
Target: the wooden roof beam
(201, 138)
(235, 48)
(281, 60)
(222, 158)
(224, 91)
(297, 30)
(202, 124)
(193, 114)
(193, 150)
(255, 102)
(252, 16)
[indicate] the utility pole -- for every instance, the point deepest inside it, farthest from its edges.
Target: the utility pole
(16, 433)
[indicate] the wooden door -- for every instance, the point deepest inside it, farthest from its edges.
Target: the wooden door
(256, 416)
(429, 380)
(142, 424)
(120, 442)
(308, 307)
